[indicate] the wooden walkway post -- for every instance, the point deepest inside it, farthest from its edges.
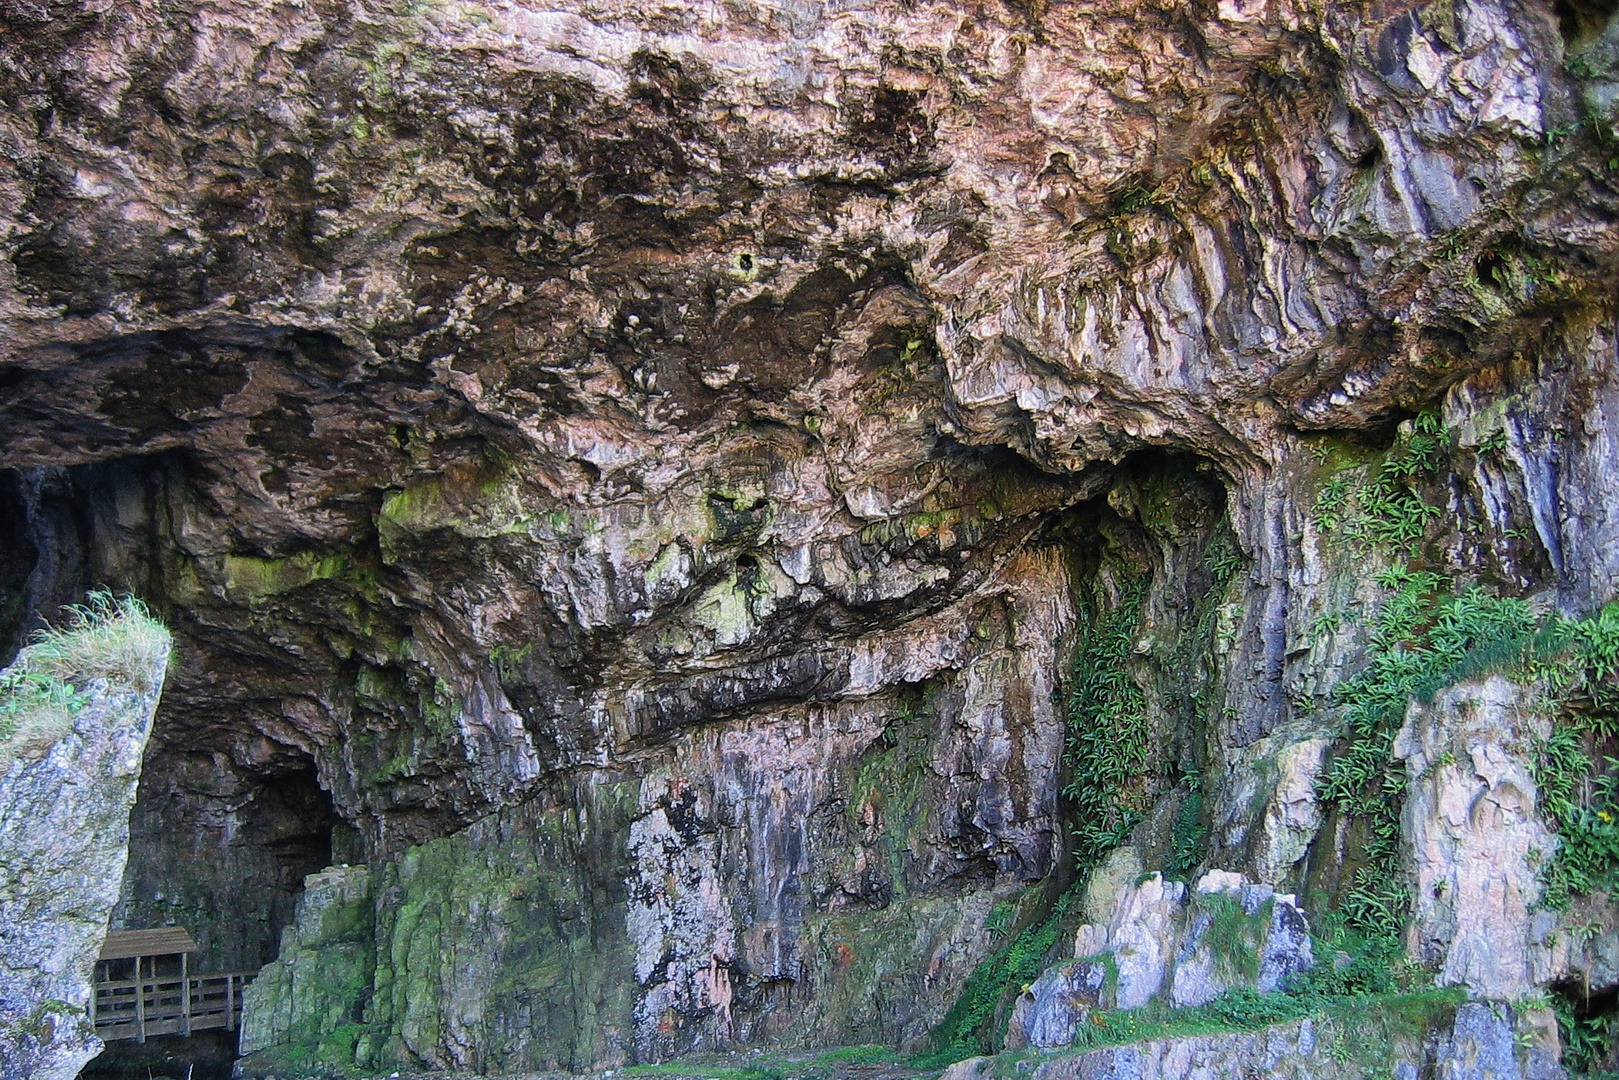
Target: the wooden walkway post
(185, 997)
(230, 1003)
(140, 1000)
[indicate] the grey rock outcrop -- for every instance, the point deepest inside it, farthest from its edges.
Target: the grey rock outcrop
(1286, 1052)
(1163, 941)
(1477, 1043)
(64, 839)
(1476, 842)
(1482, 1045)
(1051, 1011)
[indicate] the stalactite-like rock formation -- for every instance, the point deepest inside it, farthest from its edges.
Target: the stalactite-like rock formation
(637, 480)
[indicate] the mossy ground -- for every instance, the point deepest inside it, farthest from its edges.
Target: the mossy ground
(865, 1062)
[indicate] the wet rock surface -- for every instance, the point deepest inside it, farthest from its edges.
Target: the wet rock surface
(636, 478)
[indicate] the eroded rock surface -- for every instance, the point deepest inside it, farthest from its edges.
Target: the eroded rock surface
(1477, 840)
(64, 839)
(636, 477)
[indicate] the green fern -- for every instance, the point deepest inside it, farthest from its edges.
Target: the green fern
(1107, 755)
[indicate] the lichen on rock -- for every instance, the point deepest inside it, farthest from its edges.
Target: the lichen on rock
(65, 796)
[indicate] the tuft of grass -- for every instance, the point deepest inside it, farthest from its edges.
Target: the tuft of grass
(679, 1070)
(107, 637)
(1246, 1009)
(870, 1054)
(1234, 937)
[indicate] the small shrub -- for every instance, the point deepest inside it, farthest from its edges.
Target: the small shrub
(1382, 508)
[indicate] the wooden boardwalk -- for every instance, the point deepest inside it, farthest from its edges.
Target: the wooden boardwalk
(175, 1002)
(154, 1005)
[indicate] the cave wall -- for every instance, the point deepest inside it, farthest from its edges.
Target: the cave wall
(635, 481)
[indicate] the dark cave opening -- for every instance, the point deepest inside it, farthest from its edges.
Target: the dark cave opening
(1581, 21)
(206, 1055)
(227, 864)
(1150, 559)
(1587, 1024)
(18, 557)
(227, 821)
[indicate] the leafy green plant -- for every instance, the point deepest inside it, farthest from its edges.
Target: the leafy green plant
(1000, 919)
(1107, 752)
(1588, 1035)
(1423, 638)
(33, 706)
(1576, 661)
(509, 661)
(1224, 559)
(1373, 507)
(1190, 835)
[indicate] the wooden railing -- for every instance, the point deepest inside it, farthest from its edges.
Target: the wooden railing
(138, 1008)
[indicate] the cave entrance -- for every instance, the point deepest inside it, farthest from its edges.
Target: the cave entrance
(230, 815)
(1588, 1027)
(223, 853)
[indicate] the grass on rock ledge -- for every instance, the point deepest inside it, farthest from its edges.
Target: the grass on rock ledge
(107, 637)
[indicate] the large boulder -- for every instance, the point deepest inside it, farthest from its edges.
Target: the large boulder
(1167, 942)
(64, 839)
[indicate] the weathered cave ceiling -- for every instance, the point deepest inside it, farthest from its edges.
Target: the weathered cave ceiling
(495, 396)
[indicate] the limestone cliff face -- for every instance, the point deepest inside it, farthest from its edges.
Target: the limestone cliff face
(637, 477)
(64, 838)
